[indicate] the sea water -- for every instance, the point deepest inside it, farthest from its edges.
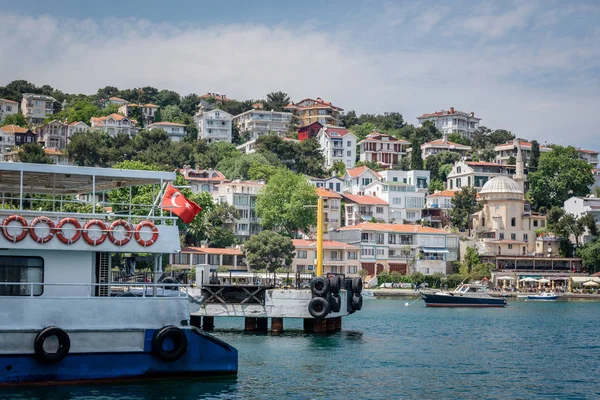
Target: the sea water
(390, 351)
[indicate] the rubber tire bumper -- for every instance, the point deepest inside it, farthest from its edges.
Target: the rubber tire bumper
(357, 301)
(64, 345)
(335, 282)
(318, 307)
(319, 286)
(179, 340)
(357, 285)
(335, 303)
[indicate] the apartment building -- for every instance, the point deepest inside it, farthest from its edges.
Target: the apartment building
(437, 146)
(453, 121)
(338, 257)
(175, 131)
(54, 135)
(474, 174)
(214, 125)
(437, 207)
(580, 206)
(382, 149)
(36, 107)
(203, 180)
(405, 201)
(332, 209)
(510, 149)
(114, 124)
(254, 123)
(242, 195)
(307, 111)
(337, 144)
(590, 156)
(8, 107)
(402, 248)
(365, 208)
(74, 127)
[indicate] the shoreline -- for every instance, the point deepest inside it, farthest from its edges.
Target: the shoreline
(410, 293)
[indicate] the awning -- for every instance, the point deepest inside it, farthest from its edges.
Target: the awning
(434, 250)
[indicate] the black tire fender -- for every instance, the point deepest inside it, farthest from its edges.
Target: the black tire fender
(357, 301)
(357, 285)
(318, 307)
(335, 282)
(176, 335)
(319, 286)
(64, 345)
(335, 303)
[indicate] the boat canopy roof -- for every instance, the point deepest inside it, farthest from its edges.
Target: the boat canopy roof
(70, 180)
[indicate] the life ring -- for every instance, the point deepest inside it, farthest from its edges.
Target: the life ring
(86, 236)
(357, 301)
(177, 336)
(128, 232)
(60, 234)
(319, 286)
(64, 345)
(335, 282)
(46, 221)
(138, 238)
(318, 307)
(335, 303)
(23, 223)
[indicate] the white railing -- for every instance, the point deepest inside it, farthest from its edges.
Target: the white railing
(169, 290)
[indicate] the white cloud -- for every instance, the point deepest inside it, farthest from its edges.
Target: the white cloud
(248, 61)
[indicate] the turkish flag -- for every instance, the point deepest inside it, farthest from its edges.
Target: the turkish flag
(175, 202)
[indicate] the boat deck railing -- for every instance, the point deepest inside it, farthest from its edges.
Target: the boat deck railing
(100, 290)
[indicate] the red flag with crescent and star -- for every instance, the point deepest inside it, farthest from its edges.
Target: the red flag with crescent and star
(175, 202)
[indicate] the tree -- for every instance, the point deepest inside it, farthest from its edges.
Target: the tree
(349, 119)
(458, 138)
(472, 266)
(590, 256)
(277, 100)
(172, 113)
(435, 185)
(559, 176)
(189, 104)
(209, 155)
(500, 136)
(33, 153)
(370, 164)
(432, 164)
(282, 203)
(427, 132)
(534, 159)
(416, 159)
(15, 119)
(220, 237)
(511, 160)
(80, 110)
(338, 168)
(166, 98)
(361, 131)
(89, 149)
(269, 250)
(464, 205)
(240, 167)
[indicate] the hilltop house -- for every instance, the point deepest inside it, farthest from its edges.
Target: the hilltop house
(175, 131)
(382, 149)
(308, 111)
(337, 144)
(453, 121)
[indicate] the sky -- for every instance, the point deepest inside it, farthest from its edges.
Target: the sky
(532, 67)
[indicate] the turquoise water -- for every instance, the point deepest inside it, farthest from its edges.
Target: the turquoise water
(390, 351)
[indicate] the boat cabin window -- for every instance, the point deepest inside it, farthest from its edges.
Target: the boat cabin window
(23, 270)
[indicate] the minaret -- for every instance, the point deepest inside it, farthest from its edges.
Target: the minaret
(520, 176)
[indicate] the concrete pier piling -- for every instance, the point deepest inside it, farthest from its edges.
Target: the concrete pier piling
(331, 325)
(320, 326)
(338, 323)
(208, 323)
(250, 324)
(262, 324)
(276, 325)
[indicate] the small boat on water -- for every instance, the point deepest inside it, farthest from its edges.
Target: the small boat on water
(465, 295)
(545, 296)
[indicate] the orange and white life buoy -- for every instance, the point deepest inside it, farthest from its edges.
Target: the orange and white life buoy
(103, 229)
(42, 220)
(20, 220)
(128, 232)
(61, 235)
(138, 238)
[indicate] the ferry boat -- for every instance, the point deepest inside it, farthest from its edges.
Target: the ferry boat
(63, 318)
(465, 295)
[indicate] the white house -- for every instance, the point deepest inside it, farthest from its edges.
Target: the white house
(382, 149)
(580, 206)
(420, 179)
(7, 139)
(54, 135)
(214, 125)
(242, 195)
(333, 183)
(406, 203)
(7, 107)
(203, 180)
(453, 121)
(254, 123)
(437, 146)
(340, 258)
(365, 208)
(148, 111)
(114, 124)
(356, 179)
(175, 131)
(77, 127)
(337, 144)
(473, 173)
(510, 149)
(590, 156)
(36, 107)
(116, 100)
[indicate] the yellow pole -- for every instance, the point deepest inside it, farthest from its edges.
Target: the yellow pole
(320, 237)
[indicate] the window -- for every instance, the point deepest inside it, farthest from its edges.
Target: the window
(366, 252)
(458, 170)
(337, 187)
(525, 237)
(458, 182)
(535, 223)
(513, 222)
(24, 270)
(348, 144)
(543, 223)
(310, 267)
(510, 246)
(380, 252)
(366, 181)
(364, 237)
(391, 238)
(380, 238)
(379, 210)
(301, 254)
(513, 236)
(501, 235)
(397, 200)
(352, 269)
(352, 255)
(349, 153)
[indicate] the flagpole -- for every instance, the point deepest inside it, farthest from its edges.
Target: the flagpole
(160, 194)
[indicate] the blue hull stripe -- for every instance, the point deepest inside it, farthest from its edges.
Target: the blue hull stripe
(205, 356)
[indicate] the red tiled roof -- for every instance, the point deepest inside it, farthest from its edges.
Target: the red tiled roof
(116, 99)
(371, 226)
(14, 129)
(588, 151)
(165, 123)
(483, 164)
(439, 142)
(522, 144)
(151, 105)
(376, 136)
(327, 244)
(8, 101)
(443, 193)
(358, 171)
(75, 123)
(216, 96)
(367, 200)
(219, 178)
(320, 103)
(446, 112)
(54, 152)
(341, 132)
(328, 193)
(100, 120)
(209, 250)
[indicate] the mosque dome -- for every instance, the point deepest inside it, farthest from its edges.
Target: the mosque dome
(501, 185)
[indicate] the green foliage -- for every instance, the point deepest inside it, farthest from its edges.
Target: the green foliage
(511, 160)
(590, 256)
(534, 159)
(369, 164)
(458, 138)
(416, 158)
(304, 157)
(166, 98)
(221, 237)
(80, 110)
(472, 266)
(209, 155)
(276, 101)
(33, 153)
(282, 203)
(440, 164)
(566, 225)
(361, 131)
(269, 250)
(108, 110)
(89, 149)
(464, 205)
(15, 119)
(245, 165)
(559, 176)
(338, 169)
(349, 119)
(435, 185)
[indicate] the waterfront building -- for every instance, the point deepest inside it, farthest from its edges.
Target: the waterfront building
(337, 144)
(78, 126)
(365, 208)
(507, 150)
(114, 124)
(241, 195)
(54, 135)
(36, 107)
(308, 111)
(116, 100)
(453, 121)
(203, 180)
(402, 248)
(338, 257)
(148, 112)
(231, 258)
(473, 173)
(8, 107)
(405, 201)
(20, 136)
(309, 131)
(437, 146)
(256, 122)
(590, 156)
(579, 206)
(332, 209)
(175, 131)
(382, 149)
(214, 125)
(437, 208)
(210, 101)
(333, 183)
